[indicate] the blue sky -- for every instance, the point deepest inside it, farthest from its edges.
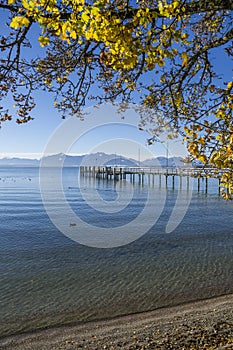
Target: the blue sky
(29, 140)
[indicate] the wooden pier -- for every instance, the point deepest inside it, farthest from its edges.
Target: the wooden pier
(138, 174)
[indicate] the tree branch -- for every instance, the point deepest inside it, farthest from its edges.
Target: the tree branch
(196, 7)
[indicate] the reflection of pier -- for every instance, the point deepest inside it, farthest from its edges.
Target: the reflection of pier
(139, 173)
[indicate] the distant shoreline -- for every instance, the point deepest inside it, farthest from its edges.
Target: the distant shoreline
(94, 159)
(198, 325)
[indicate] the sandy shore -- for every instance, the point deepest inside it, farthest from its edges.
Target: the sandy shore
(199, 325)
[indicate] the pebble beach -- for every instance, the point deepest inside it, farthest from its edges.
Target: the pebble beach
(206, 324)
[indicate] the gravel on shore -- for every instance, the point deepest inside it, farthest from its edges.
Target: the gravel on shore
(206, 324)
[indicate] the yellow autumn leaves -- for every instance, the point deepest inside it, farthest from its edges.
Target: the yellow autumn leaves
(19, 22)
(221, 156)
(75, 20)
(169, 10)
(43, 40)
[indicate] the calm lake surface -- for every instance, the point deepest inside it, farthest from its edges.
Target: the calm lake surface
(47, 279)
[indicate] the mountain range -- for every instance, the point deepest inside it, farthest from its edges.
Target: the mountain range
(94, 159)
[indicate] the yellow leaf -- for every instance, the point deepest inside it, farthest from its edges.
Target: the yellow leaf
(85, 17)
(19, 22)
(201, 140)
(43, 40)
(185, 59)
(175, 4)
(202, 158)
(161, 63)
(230, 84)
(95, 36)
(73, 34)
(95, 11)
(160, 7)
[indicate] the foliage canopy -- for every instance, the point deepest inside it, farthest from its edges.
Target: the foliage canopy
(160, 53)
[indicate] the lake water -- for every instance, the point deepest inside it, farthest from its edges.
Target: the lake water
(47, 279)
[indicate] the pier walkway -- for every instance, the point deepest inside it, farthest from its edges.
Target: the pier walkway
(122, 172)
(139, 173)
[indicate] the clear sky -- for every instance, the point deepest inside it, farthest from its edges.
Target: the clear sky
(111, 135)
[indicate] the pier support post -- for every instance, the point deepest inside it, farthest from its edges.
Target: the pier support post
(121, 173)
(206, 185)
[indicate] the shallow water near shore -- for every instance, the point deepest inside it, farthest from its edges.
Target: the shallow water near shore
(47, 280)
